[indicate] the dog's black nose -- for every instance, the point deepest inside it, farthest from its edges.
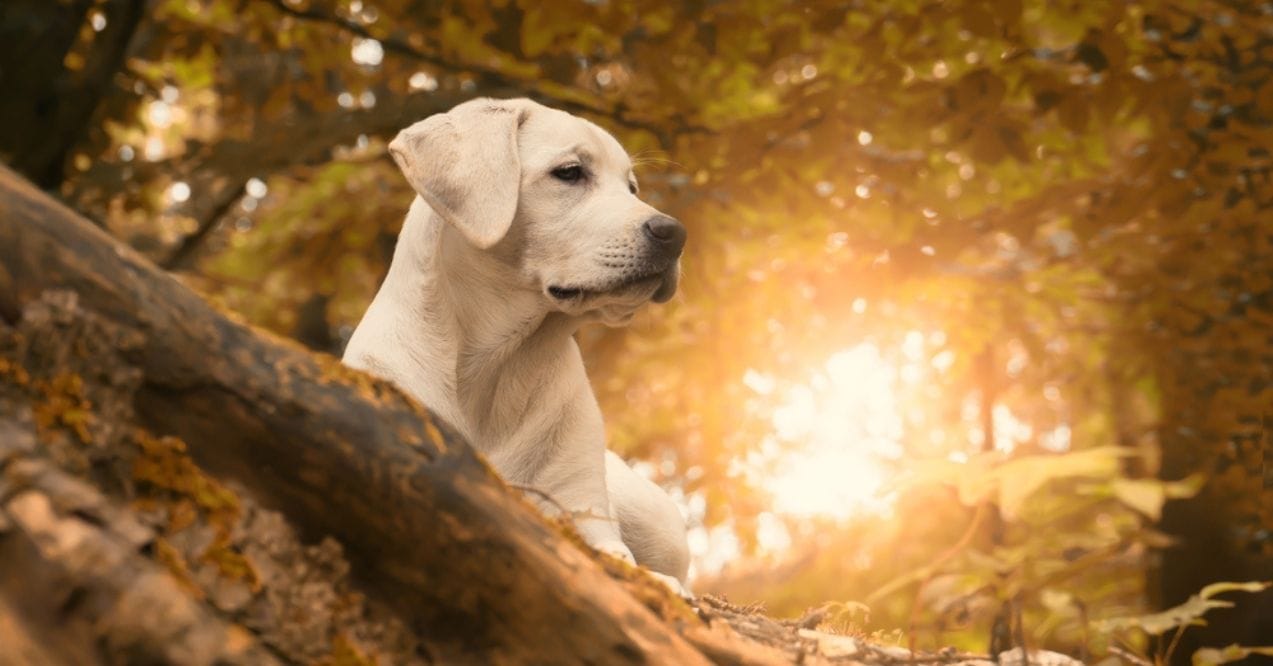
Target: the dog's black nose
(666, 234)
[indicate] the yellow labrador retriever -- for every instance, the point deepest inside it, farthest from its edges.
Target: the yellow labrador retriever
(527, 225)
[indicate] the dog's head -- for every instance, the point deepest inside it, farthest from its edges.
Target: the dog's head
(551, 199)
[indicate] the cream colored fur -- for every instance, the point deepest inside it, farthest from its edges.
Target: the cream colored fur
(467, 324)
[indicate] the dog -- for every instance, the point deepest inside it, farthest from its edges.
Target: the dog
(526, 225)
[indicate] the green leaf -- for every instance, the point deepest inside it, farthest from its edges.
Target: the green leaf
(1186, 614)
(1020, 478)
(1220, 588)
(1224, 655)
(1144, 495)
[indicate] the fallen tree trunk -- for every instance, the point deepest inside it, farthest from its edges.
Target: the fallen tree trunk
(428, 529)
(66, 546)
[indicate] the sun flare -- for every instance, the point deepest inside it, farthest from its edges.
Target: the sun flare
(838, 435)
(834, 437)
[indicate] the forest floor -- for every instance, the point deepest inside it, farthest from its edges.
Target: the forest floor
(745, 634)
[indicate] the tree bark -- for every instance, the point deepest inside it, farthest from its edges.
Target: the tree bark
(428, 528)
(74, 577)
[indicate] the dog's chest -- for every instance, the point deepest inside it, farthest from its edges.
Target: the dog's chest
(522, 412)
(523, 394)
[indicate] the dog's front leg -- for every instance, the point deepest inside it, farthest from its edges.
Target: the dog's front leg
(581, 493)
(573, 475)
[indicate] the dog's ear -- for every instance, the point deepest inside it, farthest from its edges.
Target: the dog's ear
(466, 166)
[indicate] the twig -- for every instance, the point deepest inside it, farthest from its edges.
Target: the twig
(932, 569)
(1175, 640)
(1130, 656)
(557, 505)
(540, 494)
(190, 244)
(1086, 654)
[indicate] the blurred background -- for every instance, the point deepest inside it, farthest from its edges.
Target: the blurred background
(975, 337)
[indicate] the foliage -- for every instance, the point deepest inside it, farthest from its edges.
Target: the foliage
(1048, 220)
(1228, 654)
(1051, 538)
(1189, 614)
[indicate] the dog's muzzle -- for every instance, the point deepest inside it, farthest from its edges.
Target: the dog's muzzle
(667, 288)
(664, 241)
(666, 237)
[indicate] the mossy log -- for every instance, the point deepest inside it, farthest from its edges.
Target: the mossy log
(428, 529)
(75, 581)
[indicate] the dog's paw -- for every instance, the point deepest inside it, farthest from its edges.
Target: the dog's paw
(616, 549)
(674, 585)
(620, 550)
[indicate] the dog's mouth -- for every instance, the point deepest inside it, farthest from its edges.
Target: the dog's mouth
(563, 293)
(666, 287)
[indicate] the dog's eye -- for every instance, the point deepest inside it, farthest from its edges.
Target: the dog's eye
(568, 174)
(632, 188)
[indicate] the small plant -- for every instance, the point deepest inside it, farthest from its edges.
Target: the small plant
(1184, 616)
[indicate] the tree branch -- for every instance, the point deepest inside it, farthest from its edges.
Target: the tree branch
(490, 77)
(189, 246)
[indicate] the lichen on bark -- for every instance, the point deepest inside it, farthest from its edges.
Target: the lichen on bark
(68, 372)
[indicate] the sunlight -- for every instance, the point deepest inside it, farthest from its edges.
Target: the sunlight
(829, 482)
(834, 437)
(837, 434)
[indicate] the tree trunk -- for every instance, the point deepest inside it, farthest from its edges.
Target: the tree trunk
(52, 114)
(430, 533)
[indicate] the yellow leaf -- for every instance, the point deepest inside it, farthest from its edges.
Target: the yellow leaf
(1020, 478)
(1186, 614)
(1186, 487)
(1208, 656)
(1144, 495)
(1222, 587)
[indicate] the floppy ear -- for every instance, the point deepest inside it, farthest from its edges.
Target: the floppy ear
(466, 166)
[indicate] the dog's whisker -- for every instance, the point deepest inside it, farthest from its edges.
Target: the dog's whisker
(650, 161)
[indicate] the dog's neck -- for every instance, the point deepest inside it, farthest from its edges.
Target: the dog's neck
(468, 322)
